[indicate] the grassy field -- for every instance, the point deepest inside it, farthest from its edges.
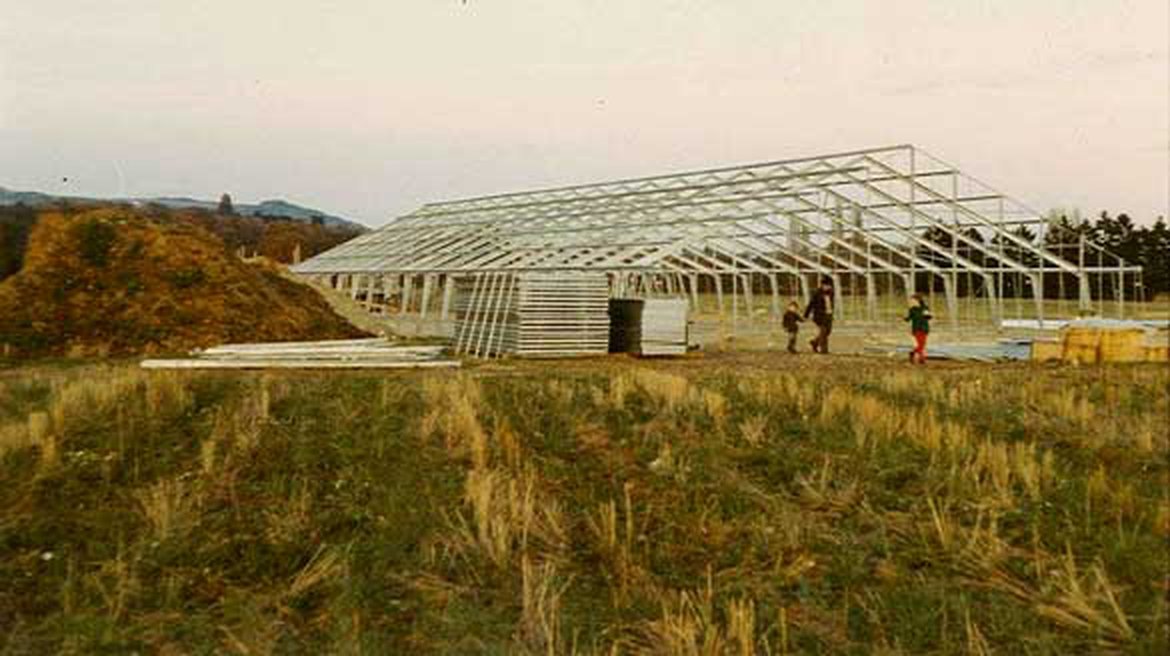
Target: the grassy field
(734, 503)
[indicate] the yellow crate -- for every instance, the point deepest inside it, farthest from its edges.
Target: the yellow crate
(1123, 345)
(1081, 345)
(1047, 350)
(1158, 353)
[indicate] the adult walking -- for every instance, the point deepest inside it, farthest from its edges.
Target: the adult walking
(820, 308)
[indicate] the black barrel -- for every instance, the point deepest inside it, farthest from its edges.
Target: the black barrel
(625, 325)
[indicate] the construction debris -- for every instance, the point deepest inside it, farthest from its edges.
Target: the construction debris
(375, 353)
(1002, 351)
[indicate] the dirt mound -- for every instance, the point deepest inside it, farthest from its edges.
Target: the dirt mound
(120, 281)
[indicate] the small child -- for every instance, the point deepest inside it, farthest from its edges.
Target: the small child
(792, 321)
(919, 317)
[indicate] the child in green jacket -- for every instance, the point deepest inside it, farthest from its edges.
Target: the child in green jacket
(919, 318)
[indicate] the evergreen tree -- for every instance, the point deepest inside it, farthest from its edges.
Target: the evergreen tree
(225, 205)
(1155, 258)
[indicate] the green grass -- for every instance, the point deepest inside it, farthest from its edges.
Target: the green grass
(741, 503)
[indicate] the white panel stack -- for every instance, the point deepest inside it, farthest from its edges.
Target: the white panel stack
(664, 326)
(483, 313)
(374, 353)
(533, 314)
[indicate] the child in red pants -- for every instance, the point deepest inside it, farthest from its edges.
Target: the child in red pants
(919, 318)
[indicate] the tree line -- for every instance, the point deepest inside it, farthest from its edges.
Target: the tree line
(1141, 245)
(1075, 239)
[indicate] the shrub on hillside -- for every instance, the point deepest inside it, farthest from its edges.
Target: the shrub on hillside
(276, 238)
(15, 224)
(94, 239)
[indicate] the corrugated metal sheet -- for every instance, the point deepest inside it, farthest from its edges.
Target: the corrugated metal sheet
(664, 326)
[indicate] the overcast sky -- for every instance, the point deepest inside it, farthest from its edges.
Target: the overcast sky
(369, 108)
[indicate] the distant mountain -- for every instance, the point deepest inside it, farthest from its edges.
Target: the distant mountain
(267, 208)
(30, 198)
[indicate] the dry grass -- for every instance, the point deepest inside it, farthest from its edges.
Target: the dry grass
(615, 538)
(325, 566)
(671, 390)
(1085, 602)
(293, 519)
(688, 626)
(14, 436)
(170, 507)
(1058, 591)
(753, 430)
(691, 623)
(539, 630)
(116, 583)
(668, 507)
(508, 517)
(453, 413)
(40, 434)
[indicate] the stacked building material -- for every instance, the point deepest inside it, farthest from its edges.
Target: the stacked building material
(1096, 341)
(1060, 324)
(532, 314)
(376, 353)
(664, 326)
(483, 313)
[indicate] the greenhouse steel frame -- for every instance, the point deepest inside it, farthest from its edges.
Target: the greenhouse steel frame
(878, 222)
